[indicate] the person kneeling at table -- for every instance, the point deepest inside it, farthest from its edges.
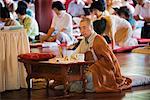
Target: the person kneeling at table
(104, 75)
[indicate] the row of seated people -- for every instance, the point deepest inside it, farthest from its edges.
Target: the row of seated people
(125, 11)
(117, 29)
(22, 16)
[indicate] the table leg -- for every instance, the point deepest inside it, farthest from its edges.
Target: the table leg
(47, 87)
(66, 83)
(28, 79)
(82, 72)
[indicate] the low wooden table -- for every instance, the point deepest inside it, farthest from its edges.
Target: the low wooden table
(54, 71)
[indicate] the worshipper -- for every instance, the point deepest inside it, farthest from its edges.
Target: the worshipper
(97, 10)
(104, 75)
(29, 23)
(117, 29)
(11, 6)
(125, 13)
(75, 8)
(26, 3)
(62, 27)
(5, 17)
(142, 12)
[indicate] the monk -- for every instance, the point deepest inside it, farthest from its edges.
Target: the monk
(105, 72)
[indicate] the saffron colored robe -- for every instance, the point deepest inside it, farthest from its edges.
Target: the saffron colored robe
(105, 71)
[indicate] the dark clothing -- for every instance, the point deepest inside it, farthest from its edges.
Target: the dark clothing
(146, 30)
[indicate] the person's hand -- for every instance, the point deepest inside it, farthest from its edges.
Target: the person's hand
(63, 30)
(44, 38)
(52, 39)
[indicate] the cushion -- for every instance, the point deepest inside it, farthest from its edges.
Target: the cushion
(37, 56)
(139, 80)
(127, 49)
(142, 50)
(143, 40)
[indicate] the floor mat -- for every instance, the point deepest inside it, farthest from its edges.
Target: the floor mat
(139, 80)
(143, 50)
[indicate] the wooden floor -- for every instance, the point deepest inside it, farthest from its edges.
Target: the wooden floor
(131, 63)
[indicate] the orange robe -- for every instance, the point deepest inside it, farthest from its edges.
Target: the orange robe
(106, 70)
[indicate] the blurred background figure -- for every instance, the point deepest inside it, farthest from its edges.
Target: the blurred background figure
(97, 9)
(5, 17)
(11, 6)
(75, 8)
(29, 23)
(30, 8)
(142, 12)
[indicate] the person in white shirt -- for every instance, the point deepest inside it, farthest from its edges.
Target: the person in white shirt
(61, 27)
(142, 12)
(75, 8)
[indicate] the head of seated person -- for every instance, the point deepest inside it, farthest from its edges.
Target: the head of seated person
(97, 8)
(22, 3)
(124, 12)
(57, 6)
(21, 12)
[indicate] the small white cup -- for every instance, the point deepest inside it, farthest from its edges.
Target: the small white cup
(80, 57)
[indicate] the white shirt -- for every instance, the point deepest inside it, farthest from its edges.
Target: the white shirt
(85, 45)
(143, 11)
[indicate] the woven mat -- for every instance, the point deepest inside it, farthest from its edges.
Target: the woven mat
(143, 50)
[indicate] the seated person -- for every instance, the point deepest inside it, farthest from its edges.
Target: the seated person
(119, 31)
(98, 10)
(142, 12)
(104, 75)
(61, 28)
(11, 6)
(29, 23)
(75, 8)
(5, 17)
(26, 4)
